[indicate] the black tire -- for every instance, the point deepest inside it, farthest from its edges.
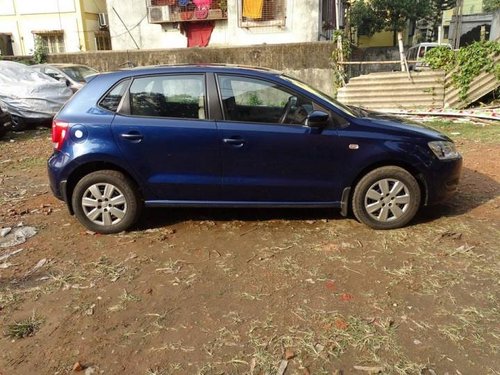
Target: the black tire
(112, 202)
(386, 198)
(17, 124)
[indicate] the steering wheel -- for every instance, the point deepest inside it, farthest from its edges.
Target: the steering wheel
(292, 101)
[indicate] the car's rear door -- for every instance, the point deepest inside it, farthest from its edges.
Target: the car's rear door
(165, 133)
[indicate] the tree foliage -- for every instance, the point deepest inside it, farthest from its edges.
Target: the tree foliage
(365, 20)
(491, 5)
(40, 52)
(371, 16)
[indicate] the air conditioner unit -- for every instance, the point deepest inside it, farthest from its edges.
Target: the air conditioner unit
(103, 20)
(159, 14)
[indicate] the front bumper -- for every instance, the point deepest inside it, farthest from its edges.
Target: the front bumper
(443, 179)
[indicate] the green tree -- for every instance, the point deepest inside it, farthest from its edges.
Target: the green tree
(391, 15)
(491, 5)
(40, 52)
(364, 18)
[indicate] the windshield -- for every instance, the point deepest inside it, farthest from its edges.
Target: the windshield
(78, 73)
(322, 95)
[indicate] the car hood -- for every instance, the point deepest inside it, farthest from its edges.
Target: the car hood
(400, 125)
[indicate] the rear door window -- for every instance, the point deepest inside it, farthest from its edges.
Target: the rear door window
(177, 96)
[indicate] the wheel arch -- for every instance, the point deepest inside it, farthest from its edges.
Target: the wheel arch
(414, 171)
(89, 167)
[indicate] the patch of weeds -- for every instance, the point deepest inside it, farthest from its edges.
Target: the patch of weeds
(253, 297)
(124, 298)
(206, 369)
(8, 298)
(171, 369)
(160, 319)
(106, 269)
(174, 346)
(157, 371)
(226, 337)
(171, 267)
(128, 297)
(64, 281)
(437, 280)
(221, 264)
(24, 328)
(403, 272)
(289, 266)
(187, 281)
(471, 324)
(234, 317)
(373, 340)
(400, 274)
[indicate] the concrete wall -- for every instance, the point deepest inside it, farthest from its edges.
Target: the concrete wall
(307, 61)
(495, 26)
(302, 25)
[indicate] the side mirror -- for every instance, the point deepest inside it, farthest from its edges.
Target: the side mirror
(317, 119)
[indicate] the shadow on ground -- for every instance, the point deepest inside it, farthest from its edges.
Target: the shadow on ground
(475, 189)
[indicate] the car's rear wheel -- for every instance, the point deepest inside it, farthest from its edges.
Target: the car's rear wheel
(386, 198)
(106, 202)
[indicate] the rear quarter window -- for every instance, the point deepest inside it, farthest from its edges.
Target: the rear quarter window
(112, 99)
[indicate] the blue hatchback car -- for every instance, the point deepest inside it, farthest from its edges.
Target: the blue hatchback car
(216, 135)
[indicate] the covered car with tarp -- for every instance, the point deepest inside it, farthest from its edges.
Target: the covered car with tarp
(29, 96)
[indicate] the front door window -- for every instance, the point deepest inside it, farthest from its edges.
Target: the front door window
(250, 100)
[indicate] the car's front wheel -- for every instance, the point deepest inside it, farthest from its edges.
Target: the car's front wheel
(106, 202)
(18, 124)
(386, 198)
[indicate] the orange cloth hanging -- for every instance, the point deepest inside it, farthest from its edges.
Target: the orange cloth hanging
(253, 8)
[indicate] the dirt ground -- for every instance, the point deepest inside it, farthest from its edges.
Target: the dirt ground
(194, 291)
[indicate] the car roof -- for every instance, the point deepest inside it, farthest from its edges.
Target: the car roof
(430, 44)
(193, 68)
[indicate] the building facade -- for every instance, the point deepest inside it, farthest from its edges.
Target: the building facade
(152, 24)
(466, 23)
(61, 25)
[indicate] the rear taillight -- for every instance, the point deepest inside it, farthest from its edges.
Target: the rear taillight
(59, 133)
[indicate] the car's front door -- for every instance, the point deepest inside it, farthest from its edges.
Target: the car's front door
(166, 136)
(268, 154)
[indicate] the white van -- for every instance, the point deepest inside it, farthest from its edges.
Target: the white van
(415, 55)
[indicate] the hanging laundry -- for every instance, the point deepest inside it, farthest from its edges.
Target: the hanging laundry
(202, 3)
(253, 8)
(198, 33)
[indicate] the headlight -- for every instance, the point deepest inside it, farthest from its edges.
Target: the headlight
(444, 150)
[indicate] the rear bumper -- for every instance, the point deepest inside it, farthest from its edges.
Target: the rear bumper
(56, 183)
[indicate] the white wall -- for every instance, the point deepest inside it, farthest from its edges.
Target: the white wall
(7, 8)
(302, 25)
(39, 15)
(45, 6)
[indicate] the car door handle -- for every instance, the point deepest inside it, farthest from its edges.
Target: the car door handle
(133, 136)
(234, 141)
